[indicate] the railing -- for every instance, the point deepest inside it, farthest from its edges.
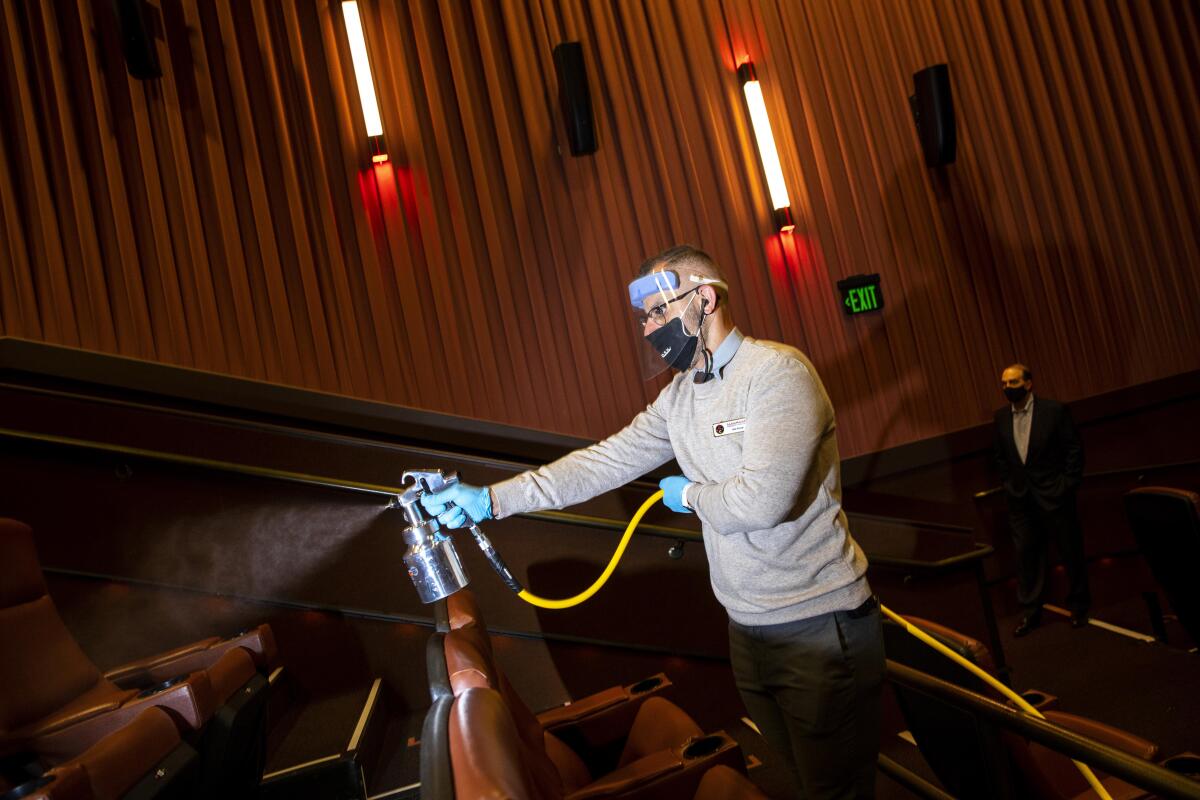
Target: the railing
(380, 490)
(1107, 473)
(1139, 772)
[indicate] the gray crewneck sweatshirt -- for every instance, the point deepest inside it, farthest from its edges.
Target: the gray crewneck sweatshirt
(758, 441)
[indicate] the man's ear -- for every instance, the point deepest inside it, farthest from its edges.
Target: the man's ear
(709, 299)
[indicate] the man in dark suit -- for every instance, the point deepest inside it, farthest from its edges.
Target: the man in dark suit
(1040, 460)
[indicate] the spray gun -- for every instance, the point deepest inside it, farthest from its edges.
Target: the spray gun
(433, 563)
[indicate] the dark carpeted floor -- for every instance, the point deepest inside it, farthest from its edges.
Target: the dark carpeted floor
(1147, 688)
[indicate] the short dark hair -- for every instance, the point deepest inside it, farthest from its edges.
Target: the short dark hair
(679, 253)
(1026, 372)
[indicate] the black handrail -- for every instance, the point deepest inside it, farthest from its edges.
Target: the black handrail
(1131, 769)
(1105, 473)
(384, 492)
(911, 780)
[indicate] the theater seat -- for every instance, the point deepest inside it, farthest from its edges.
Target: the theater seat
(1166, 525)
(588, 724)
(148, 750)
(56, 704)
(258, 642)
(723, 783)
(489, 759)
(658, 723)
(965, 763)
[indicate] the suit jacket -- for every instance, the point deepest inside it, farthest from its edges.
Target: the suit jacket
(1053, 467)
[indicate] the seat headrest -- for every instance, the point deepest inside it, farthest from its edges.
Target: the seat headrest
(462, 609)
(485, 751)
(972, 648)
(469, 660)
(1165, 496)
(21, 578)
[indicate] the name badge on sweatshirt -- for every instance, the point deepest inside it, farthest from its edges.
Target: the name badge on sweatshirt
(729, 426)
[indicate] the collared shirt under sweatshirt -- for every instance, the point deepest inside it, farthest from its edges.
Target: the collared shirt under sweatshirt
(759, 443)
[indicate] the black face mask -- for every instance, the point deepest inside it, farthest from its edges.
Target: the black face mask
(675, 345)
(1015, 394)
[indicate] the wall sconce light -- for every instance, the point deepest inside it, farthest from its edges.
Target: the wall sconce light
(366, 86)
(766, 146)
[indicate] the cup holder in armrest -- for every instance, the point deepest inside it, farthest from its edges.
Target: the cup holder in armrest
(703, 747)
(1037, 699)
(1186, 764)
(647, 685)
(161, 687)
(27, 788)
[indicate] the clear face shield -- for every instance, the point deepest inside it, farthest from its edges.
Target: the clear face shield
(660, 304)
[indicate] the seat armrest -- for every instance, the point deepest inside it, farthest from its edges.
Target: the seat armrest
(576, 710)
(603, 718)
(189, 702)
(1042, 701)
(1107, 734)
(674, 772)
(68, 782)
(148, 670)
(259, 642)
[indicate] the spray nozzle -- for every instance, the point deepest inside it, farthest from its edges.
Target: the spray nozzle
(424, 481)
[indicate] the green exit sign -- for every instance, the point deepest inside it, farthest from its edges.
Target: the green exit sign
(860, 294)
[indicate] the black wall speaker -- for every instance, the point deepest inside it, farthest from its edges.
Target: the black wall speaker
(933, 111)
(137, 41)
(575, 98)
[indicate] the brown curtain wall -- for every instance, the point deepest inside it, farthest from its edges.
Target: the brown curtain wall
(226, 216)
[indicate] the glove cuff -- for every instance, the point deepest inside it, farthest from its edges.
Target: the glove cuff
(486, 498)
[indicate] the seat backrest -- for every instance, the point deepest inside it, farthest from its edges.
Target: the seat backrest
(726, 783)
(43, 668)
(970, 648)
(659, 725)
(471, 664)
(119, 760)
(487, 756)
(970, 760)
(463, 609)
(1166, 525)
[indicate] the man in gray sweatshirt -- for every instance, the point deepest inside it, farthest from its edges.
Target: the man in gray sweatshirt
(752, 428)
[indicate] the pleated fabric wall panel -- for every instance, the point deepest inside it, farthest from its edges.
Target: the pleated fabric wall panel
(226, 217)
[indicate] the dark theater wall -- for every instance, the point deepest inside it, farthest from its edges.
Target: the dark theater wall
(226, 216)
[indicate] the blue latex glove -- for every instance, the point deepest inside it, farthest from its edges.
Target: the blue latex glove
(472, 501)
(673, 493)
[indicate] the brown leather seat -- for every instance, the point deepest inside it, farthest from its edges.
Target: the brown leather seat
(462, 609)
(111, 767)
(588, 723)
(1043, 772)
(490, 758)
(258, 642)
(56, 703)
(1166, 525)
(723, 783)
(658, 728)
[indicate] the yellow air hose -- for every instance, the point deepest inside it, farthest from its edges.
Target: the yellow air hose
(567, 602)
(1021, 703)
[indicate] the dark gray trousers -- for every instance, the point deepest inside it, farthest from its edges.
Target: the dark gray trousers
(813, 688)
(1032, 528)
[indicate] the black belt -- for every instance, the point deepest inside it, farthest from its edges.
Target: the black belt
(869, 605)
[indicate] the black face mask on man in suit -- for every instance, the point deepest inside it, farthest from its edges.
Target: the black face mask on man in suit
(1015, 394)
